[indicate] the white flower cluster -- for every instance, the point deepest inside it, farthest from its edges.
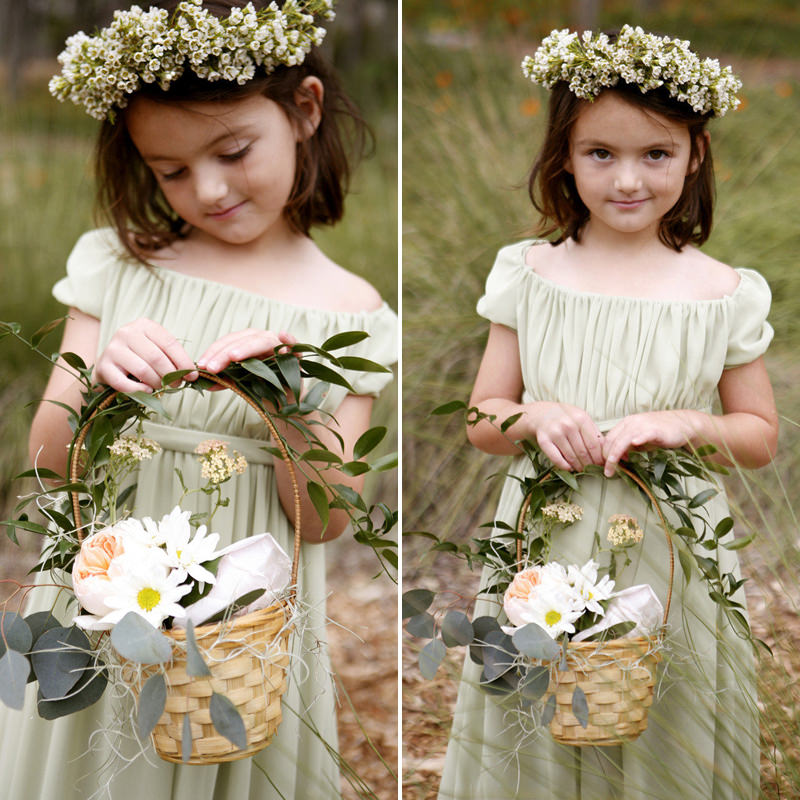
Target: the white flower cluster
(555, 598)
(216, 465)
(591, 63)
(133, 448)
(624, 530)
(100, 71)
(565, 513)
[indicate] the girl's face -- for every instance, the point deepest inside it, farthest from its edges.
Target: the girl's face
(226, 168)
(629, 164)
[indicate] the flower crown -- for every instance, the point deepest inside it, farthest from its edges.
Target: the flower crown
(592, 62)
(100, 71)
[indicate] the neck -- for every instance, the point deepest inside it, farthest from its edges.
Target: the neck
(621, 245)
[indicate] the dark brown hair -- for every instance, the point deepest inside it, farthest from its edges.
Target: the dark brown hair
(555, 196)
(129, 196)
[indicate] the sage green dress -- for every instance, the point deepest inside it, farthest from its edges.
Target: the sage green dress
(67, 759)
(615, 356)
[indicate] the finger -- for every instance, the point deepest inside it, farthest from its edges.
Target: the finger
(119, 379)
(174, 356)
(551, 450)
(239, 347)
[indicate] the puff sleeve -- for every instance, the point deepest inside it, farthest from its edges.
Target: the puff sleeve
(503, 286)
(88, 267)
(749, 333)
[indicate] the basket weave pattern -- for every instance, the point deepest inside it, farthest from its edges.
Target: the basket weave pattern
(254, 685)
(618, 679)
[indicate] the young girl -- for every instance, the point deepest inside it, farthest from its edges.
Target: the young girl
(214, 161)
(613, 337)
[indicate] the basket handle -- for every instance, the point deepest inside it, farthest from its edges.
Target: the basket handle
(638, 481)
(74, 464)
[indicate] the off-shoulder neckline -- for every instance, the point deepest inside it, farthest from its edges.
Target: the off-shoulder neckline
(165, 272)
(526, 244)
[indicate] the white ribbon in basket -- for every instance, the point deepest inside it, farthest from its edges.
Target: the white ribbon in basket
(257, 562)
(637, 604)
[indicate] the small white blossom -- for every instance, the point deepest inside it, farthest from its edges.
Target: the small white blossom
(591, 63)
(98, 72)
(565, 513)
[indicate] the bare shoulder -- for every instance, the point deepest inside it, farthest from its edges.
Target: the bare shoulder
(712, 279)
(335, 288)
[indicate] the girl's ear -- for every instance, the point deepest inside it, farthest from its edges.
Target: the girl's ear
(308, 99)
(702, 143)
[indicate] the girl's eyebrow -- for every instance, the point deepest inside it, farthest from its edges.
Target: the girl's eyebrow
(232, 133)
(599, 143)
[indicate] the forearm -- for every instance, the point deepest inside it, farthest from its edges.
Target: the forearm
(50, 433)
(743, 438)
(351, 420)
(486, 434)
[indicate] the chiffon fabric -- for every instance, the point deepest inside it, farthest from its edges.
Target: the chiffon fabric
(615, 356)
(67, 759)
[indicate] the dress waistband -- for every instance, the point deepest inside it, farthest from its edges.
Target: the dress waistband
(184, 440)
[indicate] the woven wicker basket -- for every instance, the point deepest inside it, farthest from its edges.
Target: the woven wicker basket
(248, 656)
(617, 676)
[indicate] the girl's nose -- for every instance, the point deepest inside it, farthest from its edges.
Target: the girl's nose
(626, 178)
(210, 186)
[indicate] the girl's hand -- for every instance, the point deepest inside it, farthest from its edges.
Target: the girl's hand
(667, 429)
(139, 355)
(238, 346)
(566, 434)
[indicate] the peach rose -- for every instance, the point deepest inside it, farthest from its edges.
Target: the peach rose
(90, 576)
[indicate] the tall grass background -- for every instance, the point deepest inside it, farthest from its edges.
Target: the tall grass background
(471, 126)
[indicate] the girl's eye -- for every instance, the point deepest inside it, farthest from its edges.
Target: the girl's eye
(239, 154)
(170, 176)
(600, 155)
(657, 155)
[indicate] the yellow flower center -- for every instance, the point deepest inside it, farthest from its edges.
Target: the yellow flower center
(552, 617)
(148, 598)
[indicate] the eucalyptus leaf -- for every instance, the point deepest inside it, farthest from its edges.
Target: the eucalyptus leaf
(186, 739)
(549, 710)
(725, 525)
(456, 629)
(421, 625)
(195, 665)
(227, 720)
(149, 401)
(137, 640)
(152, 700)
(498, 654)
(430, 657)
(687, 561)
(86, 692)
(580, 708)
(14, 632)
(14, 671)
(535, 683)
(415, 601)
(534, 642)
(60, 657)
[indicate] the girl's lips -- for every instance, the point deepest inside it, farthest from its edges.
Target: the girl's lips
(226, 213)
(628, 204)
